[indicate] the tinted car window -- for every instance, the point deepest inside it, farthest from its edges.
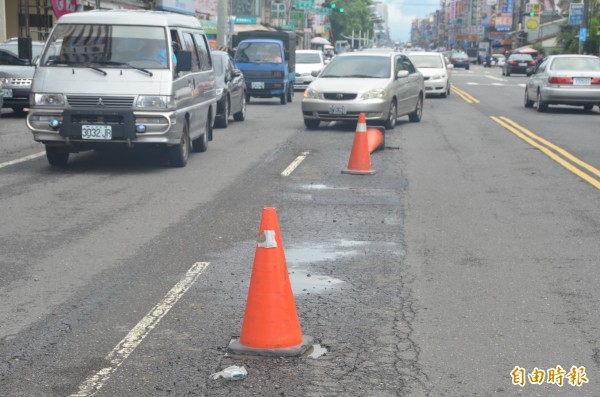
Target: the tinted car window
(8, 58)
(307, 58)
(427, 61)
(358, 66)
(520, 57)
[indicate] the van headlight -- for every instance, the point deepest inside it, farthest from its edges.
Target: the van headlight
(57, 100)
(311, 93)
(375, 93)
(4, 81)
(154, 102)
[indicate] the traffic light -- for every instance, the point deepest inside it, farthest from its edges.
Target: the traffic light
(333, 6)
(341, 9)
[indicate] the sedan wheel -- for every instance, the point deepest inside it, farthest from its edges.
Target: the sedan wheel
(311, 124)
(390, 123)
(541, 106)
(527, 102)
(223, 121)
(418, 113)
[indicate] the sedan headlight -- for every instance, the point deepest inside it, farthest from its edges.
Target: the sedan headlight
(154, 102)
(375, 93)
(311, 93)
(438, 77)
(57, 100)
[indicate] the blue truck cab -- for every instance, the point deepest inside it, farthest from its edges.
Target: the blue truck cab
(267, 60)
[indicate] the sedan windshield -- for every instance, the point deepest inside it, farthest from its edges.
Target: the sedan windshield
(307, 58)
(576, 63)
(427, 61)
(359, 66)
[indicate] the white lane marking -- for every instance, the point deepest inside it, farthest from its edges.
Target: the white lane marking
(22, 159)
(133, 339)
(496, 78)
(294, 164)
(472, 83)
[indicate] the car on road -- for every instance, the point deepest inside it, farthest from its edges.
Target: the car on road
(435, 70)
(518, 63)
(231, 89)
(460, 60)
(382, 85)
(565, 80)
(498, 60)
(307, 61)
(16, 74)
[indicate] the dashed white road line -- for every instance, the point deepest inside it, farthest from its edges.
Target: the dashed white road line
(133, 339)
(290, 168)
(22, 159)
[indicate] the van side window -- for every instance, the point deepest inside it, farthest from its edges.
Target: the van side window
(205, 61)
(189, 46)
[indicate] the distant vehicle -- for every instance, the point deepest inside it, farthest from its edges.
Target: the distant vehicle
(473, 54)
(460, 60)
(268, 61)
(307, 61)
(518, 63)
(16, 73)
(498, 60)
(231, 90)
(384, 86)
(565, 80)
(436, 72)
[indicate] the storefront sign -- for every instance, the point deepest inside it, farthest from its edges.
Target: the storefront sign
(62, 7)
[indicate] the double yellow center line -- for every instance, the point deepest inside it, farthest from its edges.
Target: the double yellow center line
(464, 95)
(580, 168)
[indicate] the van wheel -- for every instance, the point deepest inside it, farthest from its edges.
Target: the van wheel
(57, 157)
(588, 106)
(178, 154)
(241, 115)
(200, 144)
(223, 121)
(283, 98)
(290, 95)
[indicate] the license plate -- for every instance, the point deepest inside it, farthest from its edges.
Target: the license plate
(523, 64)
(7, 92)
(257, 85)
(337, 109)
(581, 81)
(103, 132)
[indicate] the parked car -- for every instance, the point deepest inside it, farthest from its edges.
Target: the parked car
(231, 90)
(498, 60)
(436, 71)
(460, 60)
(565, 80)
(16, 74)
(384, 86)
(307, 61)
(518, 63)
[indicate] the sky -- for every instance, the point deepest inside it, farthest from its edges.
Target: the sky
(402, 12)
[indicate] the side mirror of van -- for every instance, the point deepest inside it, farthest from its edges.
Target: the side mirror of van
(184, 61)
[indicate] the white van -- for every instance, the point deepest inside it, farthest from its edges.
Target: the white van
(103, 87)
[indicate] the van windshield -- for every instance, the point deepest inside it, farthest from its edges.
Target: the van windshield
(109, 45)
(258, 52)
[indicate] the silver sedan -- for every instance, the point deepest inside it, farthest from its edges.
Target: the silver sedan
(565, 80)
(383, 85)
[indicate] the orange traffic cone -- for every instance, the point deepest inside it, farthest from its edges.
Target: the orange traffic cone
(360, 158)
(271, 326)
(376, 138)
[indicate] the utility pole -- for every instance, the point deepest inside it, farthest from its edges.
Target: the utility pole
(222, 23)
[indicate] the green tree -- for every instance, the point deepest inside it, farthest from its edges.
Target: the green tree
(355, 17)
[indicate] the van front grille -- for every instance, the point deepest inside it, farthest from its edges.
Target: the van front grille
(100, 101)
(14, 81)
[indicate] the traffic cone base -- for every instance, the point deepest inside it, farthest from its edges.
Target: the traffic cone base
(271, 326)
(237, 349)
(360, 157)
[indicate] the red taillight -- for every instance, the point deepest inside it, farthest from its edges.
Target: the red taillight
(560, 80)
(512, 62)
(532, 63)
(595, 81)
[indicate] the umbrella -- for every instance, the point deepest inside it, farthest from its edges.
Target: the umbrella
(320, 40)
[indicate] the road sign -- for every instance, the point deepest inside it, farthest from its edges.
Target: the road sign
(582, 35)
(575, 13)
(305, 4)
(532, 24)
(278, 10)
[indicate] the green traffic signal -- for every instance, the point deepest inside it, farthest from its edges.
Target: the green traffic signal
(333, 5)
(342, 9)
(532, 14)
